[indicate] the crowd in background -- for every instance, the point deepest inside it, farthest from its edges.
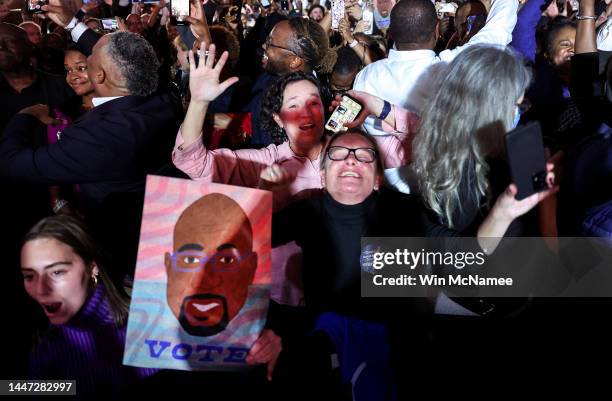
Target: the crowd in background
(96, 95)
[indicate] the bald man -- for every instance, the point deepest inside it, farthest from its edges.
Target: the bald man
(211, 266)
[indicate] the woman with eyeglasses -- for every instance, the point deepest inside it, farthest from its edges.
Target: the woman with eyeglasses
(293, 112)
(329, 229)
(62, 272)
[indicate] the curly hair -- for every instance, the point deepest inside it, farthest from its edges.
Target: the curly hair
(136, 61)
(273, 100)
(311, 43)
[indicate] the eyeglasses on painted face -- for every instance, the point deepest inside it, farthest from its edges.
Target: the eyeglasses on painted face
(194, 261)
(340, 153)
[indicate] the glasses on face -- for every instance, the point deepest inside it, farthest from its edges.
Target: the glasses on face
(340, 153)
(336, 90)
(194, 261)
(268, 43)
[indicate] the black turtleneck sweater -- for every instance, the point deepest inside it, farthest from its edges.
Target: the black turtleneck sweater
(329, 234)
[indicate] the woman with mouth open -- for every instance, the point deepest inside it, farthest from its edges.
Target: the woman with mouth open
(62, 271)
(293, 112)
(364, 334)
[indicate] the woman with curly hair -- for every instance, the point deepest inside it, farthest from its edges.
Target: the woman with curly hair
(293, 112)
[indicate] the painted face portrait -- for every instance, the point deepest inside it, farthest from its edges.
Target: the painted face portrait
(211, 266)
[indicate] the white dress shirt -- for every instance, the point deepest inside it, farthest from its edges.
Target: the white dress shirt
(407, 78)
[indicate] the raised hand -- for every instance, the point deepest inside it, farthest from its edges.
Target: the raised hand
(508, 208)
(344, 27)
(62, 11)
(204, 79)
(353, 9)
(371, 106)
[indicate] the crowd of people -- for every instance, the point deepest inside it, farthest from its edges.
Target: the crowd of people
(97, 95)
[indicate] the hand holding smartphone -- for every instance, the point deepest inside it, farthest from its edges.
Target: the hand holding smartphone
(525, 152)
(346, 112)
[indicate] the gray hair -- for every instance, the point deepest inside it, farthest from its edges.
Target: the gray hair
(463, 123)
(136, 61)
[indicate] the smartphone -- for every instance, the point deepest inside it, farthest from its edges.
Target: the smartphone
(109, 24)
(265, 3)
(285, 5)
(337, 11)
(35, 6)
(346, 112)
(180, 9)
(476, 22)
(525, 152)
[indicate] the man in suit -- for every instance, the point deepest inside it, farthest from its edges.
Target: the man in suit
(109, 150)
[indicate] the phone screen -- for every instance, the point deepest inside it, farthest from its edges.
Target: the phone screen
(109, 24)
(180, 9)
(265, 3)
(346, 112)
(35, 6)
(337, 13)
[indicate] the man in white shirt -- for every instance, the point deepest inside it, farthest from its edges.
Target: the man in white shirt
(407, 76)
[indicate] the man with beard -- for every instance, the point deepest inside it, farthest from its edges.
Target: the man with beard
(296, 44)
(212, 265)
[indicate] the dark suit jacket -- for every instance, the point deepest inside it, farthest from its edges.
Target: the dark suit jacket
(108, 150)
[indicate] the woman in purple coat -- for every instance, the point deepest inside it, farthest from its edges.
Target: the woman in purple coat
(85, 340)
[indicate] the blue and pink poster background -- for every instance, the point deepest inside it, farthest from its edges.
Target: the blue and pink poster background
(155, 339)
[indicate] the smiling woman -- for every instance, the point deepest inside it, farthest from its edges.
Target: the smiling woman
(62, 272)
(293, 112)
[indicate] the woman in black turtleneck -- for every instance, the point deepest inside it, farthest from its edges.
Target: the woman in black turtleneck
(329, 229)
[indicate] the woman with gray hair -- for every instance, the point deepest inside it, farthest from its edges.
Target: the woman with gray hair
(460, 140)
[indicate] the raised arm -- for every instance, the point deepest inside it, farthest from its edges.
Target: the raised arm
(586, 38)
(524, 33)
(205, 87)
(497, 31)
(398, 120)
(506, 209)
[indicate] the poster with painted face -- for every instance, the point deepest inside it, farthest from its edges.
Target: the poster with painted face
(202, 280)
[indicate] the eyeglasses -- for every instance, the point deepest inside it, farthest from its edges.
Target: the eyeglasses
(268, 43)
(336, 90)
(340, 153)
(194, 261)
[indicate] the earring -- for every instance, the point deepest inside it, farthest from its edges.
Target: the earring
(95, 279)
